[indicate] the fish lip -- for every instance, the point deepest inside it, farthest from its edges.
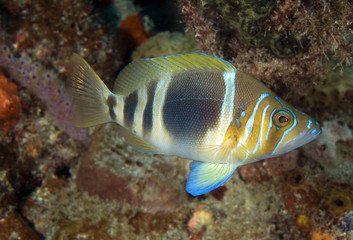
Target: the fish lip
(301, 140)
(319, 133)
(309, 136)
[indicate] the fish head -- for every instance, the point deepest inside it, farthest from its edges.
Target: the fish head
(287, 129)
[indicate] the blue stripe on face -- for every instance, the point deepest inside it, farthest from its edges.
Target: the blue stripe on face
(250, 123)
(309, 124)
(259, 139)
(242, 114)
(288, 130)
(237, 122)
(270, 126)
(283, 112)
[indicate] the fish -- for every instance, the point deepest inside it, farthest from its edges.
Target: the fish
(193, 106)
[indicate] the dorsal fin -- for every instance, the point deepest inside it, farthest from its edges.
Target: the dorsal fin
(142, 71)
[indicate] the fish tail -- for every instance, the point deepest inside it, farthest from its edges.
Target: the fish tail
(92, 101)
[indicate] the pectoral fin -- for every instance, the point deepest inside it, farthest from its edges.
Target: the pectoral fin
(205, 176)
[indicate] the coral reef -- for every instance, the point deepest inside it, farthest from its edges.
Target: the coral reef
(332, 88)
(112, 170)
(200, 221)
(116, 11)
(46, 86)
(54, 187)
(90, 215)
(219, 192)
(316, 203)
(325, 147)
(132, 32)
(10, 104)
(95, 218)
(345, 225)
(321, 236)
(74, 30)
(31, 150)
(246, 17)
(325, 25)
(133, 24)
(283, 43)
(273, 168)
(51, 38)
(15, 227)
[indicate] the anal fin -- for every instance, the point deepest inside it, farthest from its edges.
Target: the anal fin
(138, 143)
(205, 176)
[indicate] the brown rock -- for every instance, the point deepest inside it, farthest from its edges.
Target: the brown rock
(14, 227)
(113, 170)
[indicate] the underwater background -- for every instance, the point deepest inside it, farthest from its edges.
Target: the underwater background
(62, 182)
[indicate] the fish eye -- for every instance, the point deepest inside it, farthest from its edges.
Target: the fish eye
(281, 119)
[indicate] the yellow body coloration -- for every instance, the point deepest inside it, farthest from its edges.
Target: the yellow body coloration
(194, 106)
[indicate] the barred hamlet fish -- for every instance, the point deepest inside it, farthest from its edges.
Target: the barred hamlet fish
(193, 106)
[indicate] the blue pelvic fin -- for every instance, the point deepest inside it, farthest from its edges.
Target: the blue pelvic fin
(205, 176)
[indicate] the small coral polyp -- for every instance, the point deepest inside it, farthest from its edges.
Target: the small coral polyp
(315, 202)
(338, 199)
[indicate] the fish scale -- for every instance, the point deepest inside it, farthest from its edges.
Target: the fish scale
(193, 106)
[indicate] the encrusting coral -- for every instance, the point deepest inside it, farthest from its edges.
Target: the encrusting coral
(332, 88)
(324, 149)
(286, 44)
(38, 42)
(46, 86)
(36, 28)
(315, 202)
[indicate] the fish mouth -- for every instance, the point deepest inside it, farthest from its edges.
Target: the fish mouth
(302, 139)
(311, 135)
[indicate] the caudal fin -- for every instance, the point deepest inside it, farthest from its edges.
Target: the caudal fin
(89, 94)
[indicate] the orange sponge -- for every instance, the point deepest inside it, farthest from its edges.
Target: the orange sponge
(10, 104)
(321, 236)
(133, 25)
